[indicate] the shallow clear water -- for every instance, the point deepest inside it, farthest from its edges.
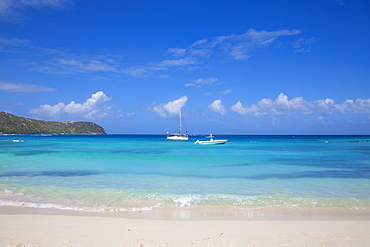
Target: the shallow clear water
(144, 172)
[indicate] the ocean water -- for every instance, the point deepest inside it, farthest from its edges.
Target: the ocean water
(146, 173)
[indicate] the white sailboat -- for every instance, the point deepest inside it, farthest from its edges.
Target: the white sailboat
(178, 136)
(211, 141)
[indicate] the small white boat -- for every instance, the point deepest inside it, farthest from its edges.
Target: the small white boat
(211, 141)
(178, 136)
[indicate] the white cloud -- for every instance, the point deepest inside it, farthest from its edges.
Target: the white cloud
(23, 88)
(90, 109)
(51, 3)
(304, 45)
(358, 106)
(88, 65)
(59, 61)
(171, 108)
(137, 72)
(298, 106)
(49, 111)
(13, 41)
(217, 106)
(177, 62)
(6, 7)
(227, 91)
(198, 83)
(177, 52)
(13, 45)
(71, 65)
(144, 71)
(10, 10)
(237, 46)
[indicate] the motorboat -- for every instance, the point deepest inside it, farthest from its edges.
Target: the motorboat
(211, 141)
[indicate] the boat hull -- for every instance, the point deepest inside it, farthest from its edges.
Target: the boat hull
(177, 138)
(211, 142)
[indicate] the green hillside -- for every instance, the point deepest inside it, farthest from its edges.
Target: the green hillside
(11, 124)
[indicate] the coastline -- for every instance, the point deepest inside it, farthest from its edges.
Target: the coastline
(37, 227)
(209, 213)
(122, 191)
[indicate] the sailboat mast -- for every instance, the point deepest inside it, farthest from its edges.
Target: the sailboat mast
(180, 123)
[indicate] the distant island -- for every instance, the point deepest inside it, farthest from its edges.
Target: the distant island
(11, 124)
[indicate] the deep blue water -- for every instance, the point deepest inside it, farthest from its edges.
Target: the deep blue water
(146, 172)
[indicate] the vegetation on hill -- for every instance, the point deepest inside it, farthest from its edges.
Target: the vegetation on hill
(11, 124)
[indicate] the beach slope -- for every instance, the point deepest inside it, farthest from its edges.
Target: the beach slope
(65, 230)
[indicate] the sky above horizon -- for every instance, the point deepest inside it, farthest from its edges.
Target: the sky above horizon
(231, 67)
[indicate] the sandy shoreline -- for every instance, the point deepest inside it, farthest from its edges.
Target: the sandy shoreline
(25, 229)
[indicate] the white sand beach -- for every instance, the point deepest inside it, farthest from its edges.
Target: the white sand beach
(28, 230)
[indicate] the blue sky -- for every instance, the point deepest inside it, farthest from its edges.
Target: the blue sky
(231, 67)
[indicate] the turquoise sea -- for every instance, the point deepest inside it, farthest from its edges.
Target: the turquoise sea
(146, 173)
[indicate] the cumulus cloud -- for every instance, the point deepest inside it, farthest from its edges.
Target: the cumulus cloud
(91, 109)
(23, 88)
(358, 106)
(171, 108)
(217, 106)
(298, 106)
